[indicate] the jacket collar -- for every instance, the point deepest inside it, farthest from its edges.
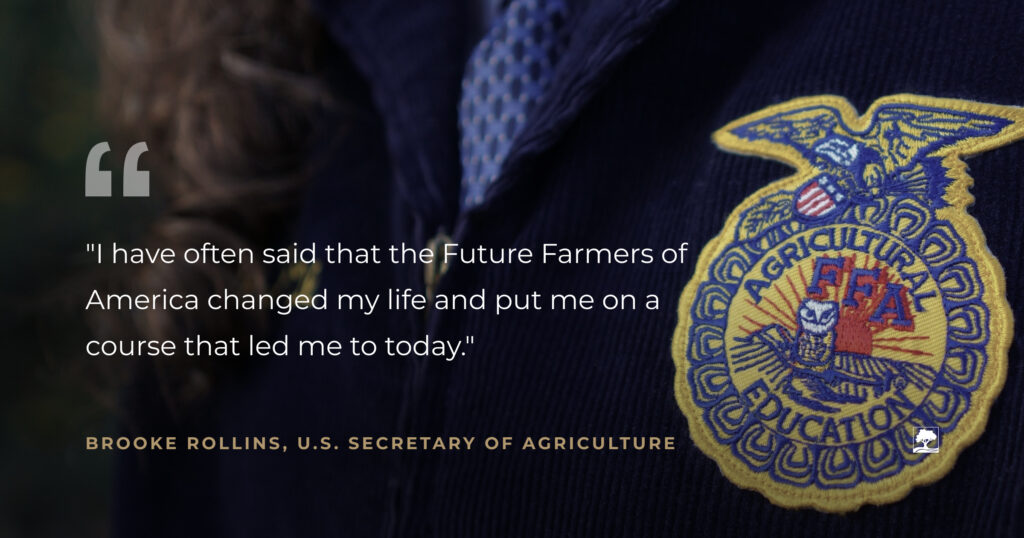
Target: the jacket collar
(603, 33)
(412, 54)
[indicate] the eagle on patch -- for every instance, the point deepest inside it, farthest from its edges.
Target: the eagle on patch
(891, 158)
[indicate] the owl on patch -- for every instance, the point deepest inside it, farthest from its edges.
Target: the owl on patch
(806, 366)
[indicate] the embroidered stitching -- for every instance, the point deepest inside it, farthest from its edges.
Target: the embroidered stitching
(846, 307)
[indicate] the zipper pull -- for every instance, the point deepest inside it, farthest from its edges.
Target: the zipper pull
(433, 271)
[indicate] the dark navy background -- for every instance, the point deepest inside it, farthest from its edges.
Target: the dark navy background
(619, 155)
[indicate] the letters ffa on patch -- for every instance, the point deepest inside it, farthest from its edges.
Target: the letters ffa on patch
(848, 308)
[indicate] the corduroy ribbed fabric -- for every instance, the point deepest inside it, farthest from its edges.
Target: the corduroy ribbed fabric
(617, 155)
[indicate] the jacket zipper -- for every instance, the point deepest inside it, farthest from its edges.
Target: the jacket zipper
(435, 270)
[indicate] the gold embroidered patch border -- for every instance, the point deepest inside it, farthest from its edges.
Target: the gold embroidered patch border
(843, 337)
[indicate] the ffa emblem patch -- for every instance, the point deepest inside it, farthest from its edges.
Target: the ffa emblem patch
(849, 307)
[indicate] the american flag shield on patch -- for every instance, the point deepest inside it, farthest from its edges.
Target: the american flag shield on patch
(817, 198)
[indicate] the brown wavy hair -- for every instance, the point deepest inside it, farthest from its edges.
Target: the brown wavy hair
(225, 93)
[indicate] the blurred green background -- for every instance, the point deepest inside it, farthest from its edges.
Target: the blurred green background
(49, 485)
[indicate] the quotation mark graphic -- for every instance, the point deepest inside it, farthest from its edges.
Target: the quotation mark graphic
(98, 181)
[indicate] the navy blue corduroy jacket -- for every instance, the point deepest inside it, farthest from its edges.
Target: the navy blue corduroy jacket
(617, 155)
